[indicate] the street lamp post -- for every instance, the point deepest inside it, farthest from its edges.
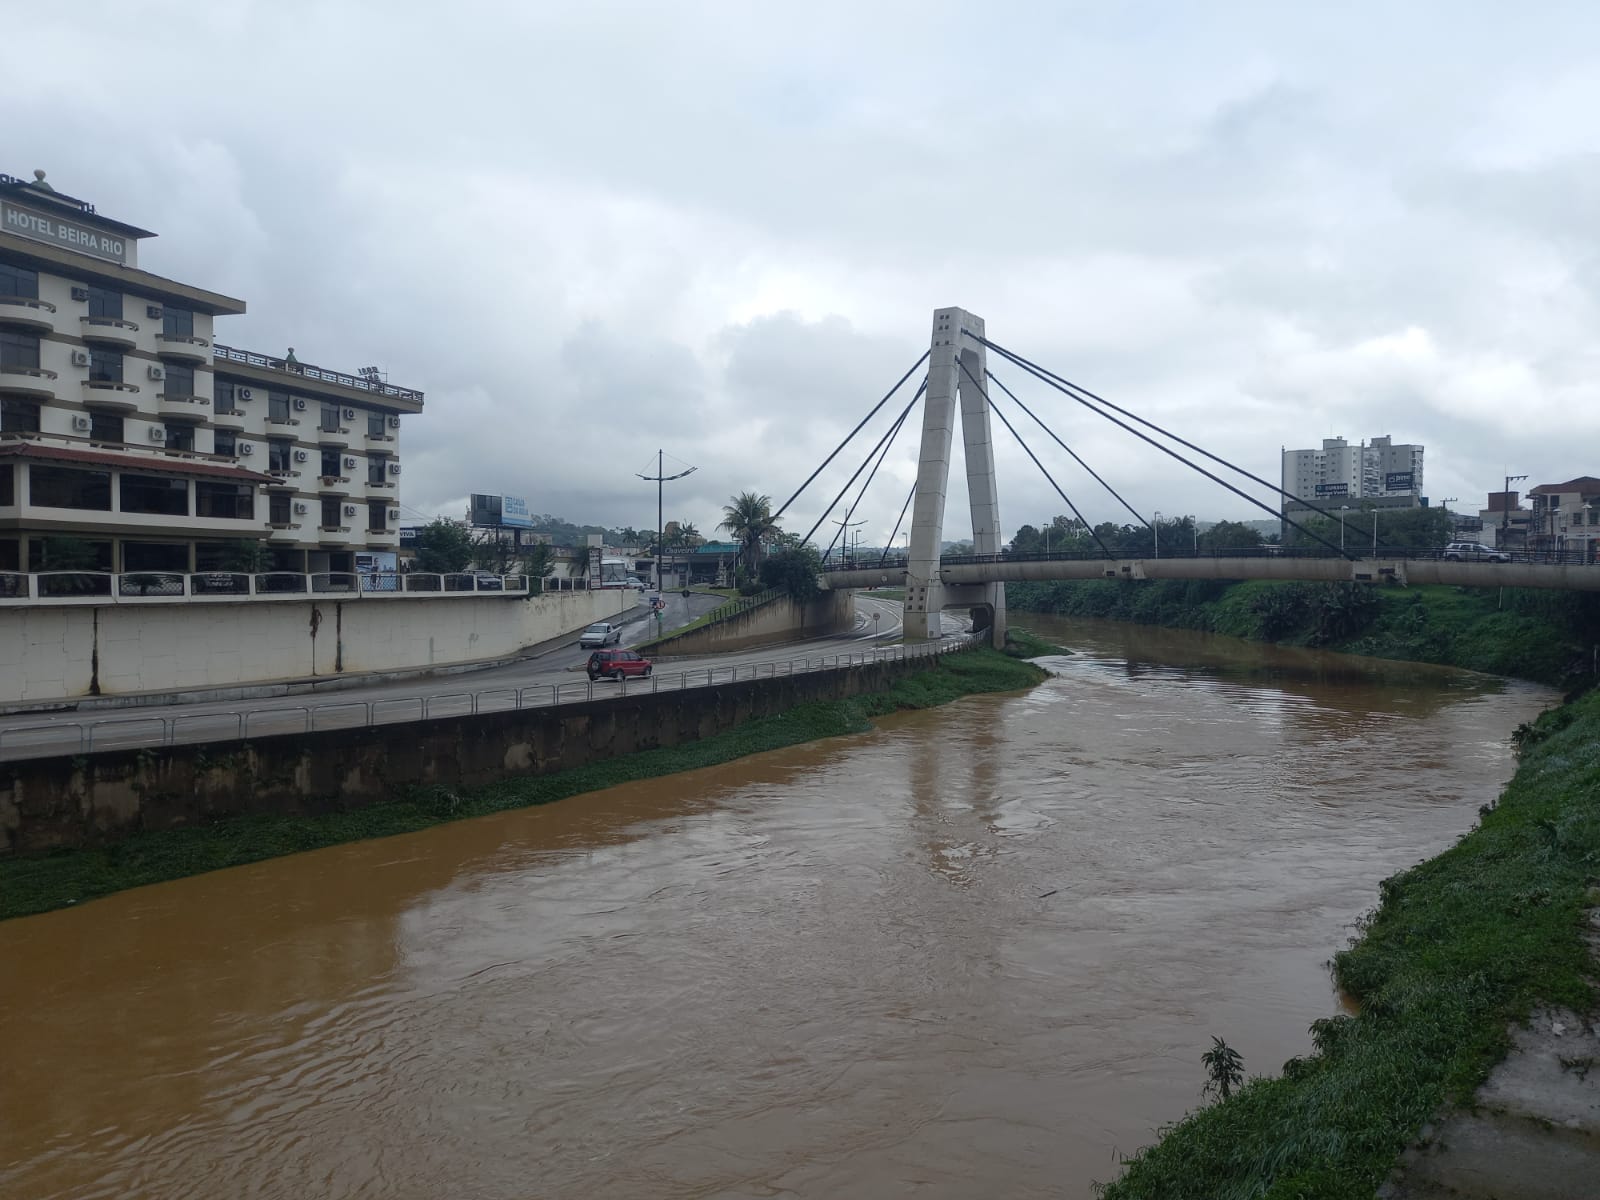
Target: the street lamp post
(1374, 533)
(1155, 529)
(661, 479)
(1505, 507)
(1194, 528)
(1343, 508)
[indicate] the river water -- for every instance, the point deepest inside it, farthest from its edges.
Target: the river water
(976, 952)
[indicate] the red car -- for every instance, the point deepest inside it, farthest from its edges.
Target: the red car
(617, 664)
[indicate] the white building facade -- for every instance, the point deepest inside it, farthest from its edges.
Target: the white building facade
(131, 441)
(1339, 472)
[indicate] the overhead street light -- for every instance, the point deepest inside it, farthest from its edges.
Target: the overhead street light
(660, 479)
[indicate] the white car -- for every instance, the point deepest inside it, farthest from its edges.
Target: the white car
(601, 633)
(1473, 552)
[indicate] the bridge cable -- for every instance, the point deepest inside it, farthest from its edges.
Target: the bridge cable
(852, 434)
(894, 432)
(996, 381)
(849, 482)
(903, 509)
(1047, 377)
(1057, 381)
(1028, 450)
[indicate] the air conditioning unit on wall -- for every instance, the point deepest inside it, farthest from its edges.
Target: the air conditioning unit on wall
(80, 358)
(394, 514)
(80, 423)
(349, 414)
(299, 404)
(299, 508)
(394, 422)
(299, 456)
(157, 434)
(349, 460)
(349, 510)
(246, 394)
(246, 449)
(394, 468)
(157, 372)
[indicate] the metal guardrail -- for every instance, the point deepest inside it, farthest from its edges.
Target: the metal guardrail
(1409, 554)
(360, 383)
(168, 586)
(157, 730)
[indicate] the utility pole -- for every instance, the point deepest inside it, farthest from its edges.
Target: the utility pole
(1505, 506)
(661, 479)
(844, 538)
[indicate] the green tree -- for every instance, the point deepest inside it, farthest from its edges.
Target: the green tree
(795, 570)
(748, 517)
(1224, 1069)
(444, 546)
(1230, 535)
(247, 555)
(69, 554)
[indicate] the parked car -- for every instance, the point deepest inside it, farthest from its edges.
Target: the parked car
(617, 664)
(601, 633)
(1474, 552)
(488, 581)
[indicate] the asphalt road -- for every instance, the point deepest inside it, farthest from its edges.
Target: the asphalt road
(553, 676)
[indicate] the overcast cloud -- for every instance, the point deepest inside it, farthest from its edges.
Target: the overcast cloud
(587, 231)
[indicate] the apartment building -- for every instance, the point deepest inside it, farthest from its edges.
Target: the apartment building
(131, 440)
(1339, 472)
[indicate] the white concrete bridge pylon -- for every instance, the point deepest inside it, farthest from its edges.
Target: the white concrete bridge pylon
(951, 389)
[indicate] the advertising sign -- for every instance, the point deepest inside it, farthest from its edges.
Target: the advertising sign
(1333, 489)
(58, 231)
(1398, 481)
(514, 512)
(501, 512)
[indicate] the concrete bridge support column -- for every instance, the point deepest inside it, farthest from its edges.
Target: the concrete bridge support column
(949, 386)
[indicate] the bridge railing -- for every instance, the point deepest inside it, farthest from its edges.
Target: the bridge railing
(44, 740)
(1563, 556)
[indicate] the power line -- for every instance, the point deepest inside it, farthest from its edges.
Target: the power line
(887, 435)
(900, 521)
(893, 433)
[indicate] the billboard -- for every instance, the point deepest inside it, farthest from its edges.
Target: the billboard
(1398, 481)
(1333, 489)
(501, 512)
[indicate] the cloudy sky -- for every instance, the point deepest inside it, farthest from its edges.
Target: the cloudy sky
(590, 230)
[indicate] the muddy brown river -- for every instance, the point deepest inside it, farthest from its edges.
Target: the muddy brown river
(977, 952)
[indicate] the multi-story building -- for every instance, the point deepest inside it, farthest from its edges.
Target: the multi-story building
(1565, 518)
(1338, 472)
(130, 440)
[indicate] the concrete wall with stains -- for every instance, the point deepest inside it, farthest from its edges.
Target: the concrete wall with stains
(54, 653)
(71, 801)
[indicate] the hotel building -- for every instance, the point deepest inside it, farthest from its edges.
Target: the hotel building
(131, 441)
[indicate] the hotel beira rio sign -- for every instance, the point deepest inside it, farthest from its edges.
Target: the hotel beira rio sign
(47, 227)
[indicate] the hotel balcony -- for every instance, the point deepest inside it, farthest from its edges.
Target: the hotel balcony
(228, 420)
(107, 393)
(333, 437)
(28, 381)
(24, 313)
(182, 407)
(110, 331)
(370, 382)
(184, 349)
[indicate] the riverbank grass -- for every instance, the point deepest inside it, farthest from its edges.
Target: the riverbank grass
(1022, 644)
(1459, 947)
(34, 885)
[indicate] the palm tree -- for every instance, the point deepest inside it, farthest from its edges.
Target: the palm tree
(688, 535)
(748, 517)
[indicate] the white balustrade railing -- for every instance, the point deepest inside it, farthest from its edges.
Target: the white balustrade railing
(168, 587)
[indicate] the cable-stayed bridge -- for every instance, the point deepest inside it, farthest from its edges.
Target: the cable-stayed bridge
(958, 386)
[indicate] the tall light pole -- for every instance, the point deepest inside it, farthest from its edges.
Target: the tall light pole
(1343, 508)
(661, 479)
(1505, 507)
(1155, 528)
(844, 537)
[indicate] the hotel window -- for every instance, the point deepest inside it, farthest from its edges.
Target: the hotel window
(18, 416)
(225, 442)
(105, 427)
(278, 508)
(19, 282)
(375, 425)
(278, 455)
(8, 494)
(153, 494)
(330, 463)
(180, 437)
(179, 381)
(105, 366)
(225, 501)
(19, 350)
(377, 519)
(225, 396)
(278, 407)
(375, 467)
(65, 487)
(105, 303)
(177, 322)
(330, 514)
(330, 418)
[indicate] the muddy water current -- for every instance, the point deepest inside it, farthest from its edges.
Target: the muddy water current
(976, 952)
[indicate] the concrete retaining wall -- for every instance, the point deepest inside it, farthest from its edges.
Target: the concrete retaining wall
(71, 801)
(779, 620)
(53, 653)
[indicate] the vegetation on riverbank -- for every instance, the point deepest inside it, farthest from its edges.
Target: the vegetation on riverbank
(1459, 947)
(1546, 636)
(33, 885)
(1022, 644)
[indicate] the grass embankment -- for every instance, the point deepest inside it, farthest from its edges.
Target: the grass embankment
(32, 885)
(1546, 636)
(1459, 947)
(1022, 644)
